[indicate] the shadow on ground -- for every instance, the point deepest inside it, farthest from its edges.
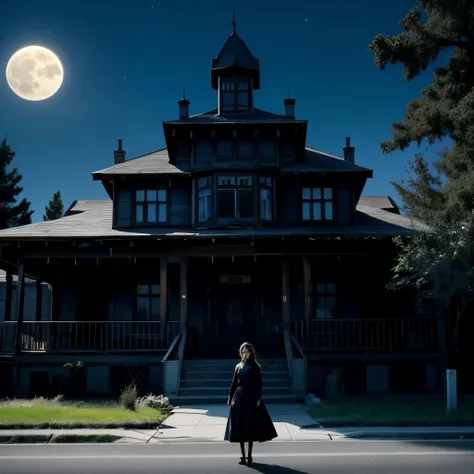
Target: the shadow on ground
(272, 469)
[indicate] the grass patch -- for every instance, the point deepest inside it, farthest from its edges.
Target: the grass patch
(53, 414)
(85, 439)
(388, 411)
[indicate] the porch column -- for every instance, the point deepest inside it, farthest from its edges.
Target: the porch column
(20, 303)
(183, 289)
(8, 301)
(307, 300)
(285, 295)
(39, 300)
(164, 300)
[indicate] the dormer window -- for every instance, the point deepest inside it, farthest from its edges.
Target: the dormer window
(317, 204)
(236, 94)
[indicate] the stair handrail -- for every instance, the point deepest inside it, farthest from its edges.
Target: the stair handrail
(298, 347)
(289, 353)
(172, 347)
(182, 347)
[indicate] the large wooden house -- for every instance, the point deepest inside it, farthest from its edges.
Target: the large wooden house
(236, 231)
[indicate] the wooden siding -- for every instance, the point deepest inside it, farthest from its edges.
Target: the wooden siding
(123, 214)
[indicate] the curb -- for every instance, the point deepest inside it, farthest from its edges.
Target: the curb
(155, 425)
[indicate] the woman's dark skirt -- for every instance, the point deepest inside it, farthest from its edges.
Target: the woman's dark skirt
(246, 422)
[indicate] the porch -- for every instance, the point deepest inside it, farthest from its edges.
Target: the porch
(411, 335)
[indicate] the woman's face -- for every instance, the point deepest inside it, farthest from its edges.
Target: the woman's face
(245, 353)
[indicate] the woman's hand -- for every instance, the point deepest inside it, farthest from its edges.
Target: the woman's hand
(228, 401)
(258, 402)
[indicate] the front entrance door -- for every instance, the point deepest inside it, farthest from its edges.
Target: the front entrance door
(235, 317)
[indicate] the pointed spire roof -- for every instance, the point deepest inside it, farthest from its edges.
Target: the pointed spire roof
(235, 54)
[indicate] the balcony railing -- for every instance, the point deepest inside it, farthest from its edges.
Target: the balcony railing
(7, 337)
(91, 336)
(395, 334)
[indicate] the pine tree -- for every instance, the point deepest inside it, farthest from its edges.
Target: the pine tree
(446, 106)
(439, 261)
(55, 208)
(12, 212)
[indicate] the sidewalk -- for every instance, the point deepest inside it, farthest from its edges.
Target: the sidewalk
(207, 424)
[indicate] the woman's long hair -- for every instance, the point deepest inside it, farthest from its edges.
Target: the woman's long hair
(252, 357)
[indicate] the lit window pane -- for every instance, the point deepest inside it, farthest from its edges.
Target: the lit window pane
(262, 180)
(317, 211)
(331, 288)
(162, 213)
(269, 182)
(143, 289)
(244, 181)
(225, 203)
(140, 196)
(328, 211)
(155, 289)
(225, 148)
(306, 211)
(155, 308)
(316, 193)
(204, 204)
(306, 193)
(243, 86)
(151, 195)
(143, 309)
(245, 203)
(226, 180)
(151, 217)
(327, 193)
(139, 213)
(245, 148)
(265, 204)
(162, 195)
(320, 288)
(228, 85)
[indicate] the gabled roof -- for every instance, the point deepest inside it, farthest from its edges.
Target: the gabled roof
(319, 161)
(95, 221)
(156, 162)
(235, 54)
(257, 115)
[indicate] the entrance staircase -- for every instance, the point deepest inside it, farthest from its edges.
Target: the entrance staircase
(208, 381)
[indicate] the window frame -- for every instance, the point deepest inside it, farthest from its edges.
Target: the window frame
(322, 200)
(136, 202)
(150, 296)
(235, 91)
(325, 294)
(204, 183)
(235, 187)
(271, 187)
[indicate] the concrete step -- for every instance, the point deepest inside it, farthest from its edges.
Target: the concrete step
(209, 382)
(214, 391)
(180, 400)
(227, 376)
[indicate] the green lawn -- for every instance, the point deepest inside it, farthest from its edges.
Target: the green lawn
(391, 411)
(62, 414)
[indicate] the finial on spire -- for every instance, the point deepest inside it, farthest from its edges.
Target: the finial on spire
(289, 92)
(184, 93)
(234, 23)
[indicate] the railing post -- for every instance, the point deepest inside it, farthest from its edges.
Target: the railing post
(163, 299)
(20, 295)
(307, 302)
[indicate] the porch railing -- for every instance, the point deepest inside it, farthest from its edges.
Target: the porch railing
(377, 334)
(7, 337)
(91, 336)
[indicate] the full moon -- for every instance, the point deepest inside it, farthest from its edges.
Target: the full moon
(34, 73)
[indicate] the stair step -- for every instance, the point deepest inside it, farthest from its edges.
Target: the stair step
(214, 391)
(221, 400)
(190, 383)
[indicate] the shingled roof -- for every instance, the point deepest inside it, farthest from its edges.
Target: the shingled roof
(257, 115)
(235, 54)
(156, 162)
(93, 219)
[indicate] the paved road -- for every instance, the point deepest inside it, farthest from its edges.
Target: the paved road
(341, 457)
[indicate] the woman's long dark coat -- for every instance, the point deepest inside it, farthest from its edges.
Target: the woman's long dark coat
(246, 421)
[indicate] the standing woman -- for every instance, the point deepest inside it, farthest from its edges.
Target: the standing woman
(248, 420)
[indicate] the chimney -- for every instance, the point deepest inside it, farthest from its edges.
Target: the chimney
(119, 154)
(349, 151)
(290, 108)
(183, 105)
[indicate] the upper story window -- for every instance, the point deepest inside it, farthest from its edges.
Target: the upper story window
(236, 94)
(266, 198)
(204, 186)
(317, 204)
(234, 197)
(150, 206)
(325, 296)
